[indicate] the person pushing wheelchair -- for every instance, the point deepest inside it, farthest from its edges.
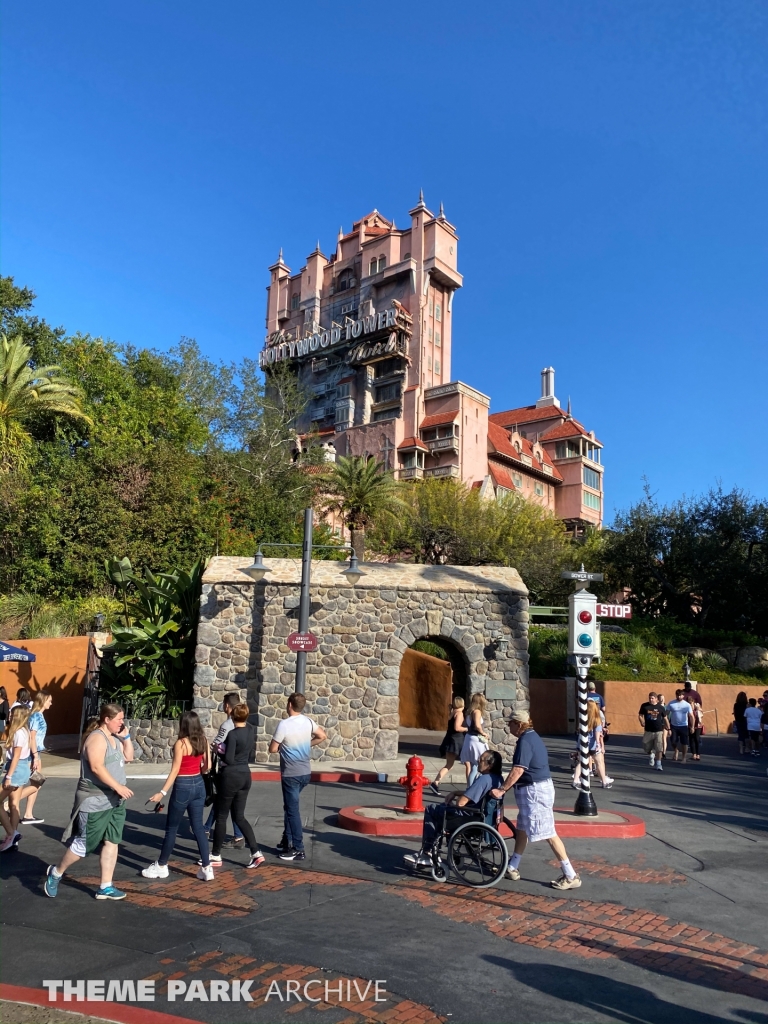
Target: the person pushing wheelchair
(458, 807)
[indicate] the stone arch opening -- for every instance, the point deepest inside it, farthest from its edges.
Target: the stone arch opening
(433, 671)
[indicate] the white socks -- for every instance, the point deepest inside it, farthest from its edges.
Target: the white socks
(567, 869)
(514, 861)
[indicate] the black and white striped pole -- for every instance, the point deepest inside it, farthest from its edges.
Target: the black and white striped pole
(583, 648)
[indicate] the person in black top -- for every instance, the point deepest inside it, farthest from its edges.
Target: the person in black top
(234, 785)
(4, 709)
(653, 719)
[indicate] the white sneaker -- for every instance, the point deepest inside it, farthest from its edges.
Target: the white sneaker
(205, 874)
(156, 870)
(652, 760)
(215, 861)
(608, 782)
(512, 874)
(10, 841)
(566, 883)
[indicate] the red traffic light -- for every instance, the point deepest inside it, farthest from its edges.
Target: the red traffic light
(585, 616)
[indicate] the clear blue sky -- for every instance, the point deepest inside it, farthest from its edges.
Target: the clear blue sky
(604, 163)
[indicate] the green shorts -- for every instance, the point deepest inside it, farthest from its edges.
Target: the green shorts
(104, 826)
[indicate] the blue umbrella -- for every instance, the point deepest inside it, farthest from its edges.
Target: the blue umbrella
(8, 653)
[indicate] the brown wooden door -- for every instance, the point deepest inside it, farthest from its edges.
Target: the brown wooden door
(425, 691)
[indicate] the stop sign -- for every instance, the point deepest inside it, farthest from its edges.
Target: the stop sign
(302, 642)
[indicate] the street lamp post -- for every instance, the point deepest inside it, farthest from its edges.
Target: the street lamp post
(258, 570)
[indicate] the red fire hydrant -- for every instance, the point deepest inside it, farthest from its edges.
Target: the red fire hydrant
(414, 782)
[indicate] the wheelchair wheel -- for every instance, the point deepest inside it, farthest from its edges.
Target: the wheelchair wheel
(438, 871)
(477, 855)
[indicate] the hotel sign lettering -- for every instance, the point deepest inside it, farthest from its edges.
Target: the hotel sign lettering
(292, 348)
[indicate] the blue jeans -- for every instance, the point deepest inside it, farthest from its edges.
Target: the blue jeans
(435, 816)
(212, 821)
(292, 787)
(188, 794)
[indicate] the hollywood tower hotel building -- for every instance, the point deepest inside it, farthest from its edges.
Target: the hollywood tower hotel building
(368, 331)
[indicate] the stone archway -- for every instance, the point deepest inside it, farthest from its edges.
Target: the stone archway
(429, 680)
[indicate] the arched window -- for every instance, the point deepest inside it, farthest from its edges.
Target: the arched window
(373, 266)
(382, 263)
(294, 301)
(347, 280)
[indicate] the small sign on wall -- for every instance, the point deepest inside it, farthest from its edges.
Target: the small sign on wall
(501, 689)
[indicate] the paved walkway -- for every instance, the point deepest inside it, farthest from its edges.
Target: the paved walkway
(670, 927)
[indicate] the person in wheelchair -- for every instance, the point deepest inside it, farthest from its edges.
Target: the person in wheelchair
(459, 808)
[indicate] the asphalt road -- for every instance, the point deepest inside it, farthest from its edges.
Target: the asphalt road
(670, 927)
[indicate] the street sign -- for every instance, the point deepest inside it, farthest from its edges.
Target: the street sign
(614, 611)
(582, 575)
(302, 642)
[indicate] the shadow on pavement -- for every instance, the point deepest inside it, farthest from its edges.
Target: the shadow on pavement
(602, 994)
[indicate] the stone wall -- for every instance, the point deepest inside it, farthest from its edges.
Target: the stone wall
(153, 738)
(352, 679)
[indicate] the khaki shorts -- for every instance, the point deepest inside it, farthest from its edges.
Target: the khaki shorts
(653, 742)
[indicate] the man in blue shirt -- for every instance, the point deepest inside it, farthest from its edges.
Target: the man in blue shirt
(457, 806)
(681, 722)
(535, 796)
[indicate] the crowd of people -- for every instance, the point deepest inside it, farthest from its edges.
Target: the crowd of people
(23, 738)
(750, 715)
(678, 724)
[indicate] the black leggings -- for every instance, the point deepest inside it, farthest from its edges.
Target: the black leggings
(233, 787)
(695, 734)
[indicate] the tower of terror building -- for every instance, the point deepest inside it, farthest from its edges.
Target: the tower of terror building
(368, 331)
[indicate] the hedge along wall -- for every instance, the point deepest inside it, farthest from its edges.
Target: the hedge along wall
(353, 678)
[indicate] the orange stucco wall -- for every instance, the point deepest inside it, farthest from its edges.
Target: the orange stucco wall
(60, 667)
(549, 699)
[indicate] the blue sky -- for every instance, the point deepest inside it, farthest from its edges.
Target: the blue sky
(604, 163)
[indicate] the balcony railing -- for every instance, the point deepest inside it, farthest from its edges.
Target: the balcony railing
(444, 444)
(447, 471)
(412, 473)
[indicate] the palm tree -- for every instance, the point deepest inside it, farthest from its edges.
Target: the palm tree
(25, 392)
(361, 491)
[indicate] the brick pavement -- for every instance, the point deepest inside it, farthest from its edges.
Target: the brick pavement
(592, 930)
(338, 1009)
(638, 871)
(228, 895)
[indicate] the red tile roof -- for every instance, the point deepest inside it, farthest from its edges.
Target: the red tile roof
(412, 442)
(500, 441)
(526, 414)
(438, 419)
(571, 428)
(501, 477)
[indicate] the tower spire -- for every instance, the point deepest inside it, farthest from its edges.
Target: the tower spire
(442, 211)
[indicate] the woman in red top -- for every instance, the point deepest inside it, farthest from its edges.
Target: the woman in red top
(191, 757)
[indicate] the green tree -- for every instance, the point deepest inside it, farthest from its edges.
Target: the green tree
(28, 393)
(362, 492)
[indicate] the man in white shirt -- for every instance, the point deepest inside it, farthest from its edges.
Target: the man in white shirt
(294, 737)
(681, 722)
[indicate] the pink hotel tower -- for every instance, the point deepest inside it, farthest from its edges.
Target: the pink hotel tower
(368, 331)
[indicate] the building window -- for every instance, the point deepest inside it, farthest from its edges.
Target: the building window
(517, 480)
(407, 256)
(438, 311)
(294, 301)
(431, 307)
(382, 263)
(343, 391)
(429, 334)
(429, 362)
(593, 452)
(591, 500)
(373, 266)
(388, 393)
(437, 366)
(437, 338)
(591, 478)
(385, 414)
(567, 449)
(539, 488)
(501, 492)
(347, 280)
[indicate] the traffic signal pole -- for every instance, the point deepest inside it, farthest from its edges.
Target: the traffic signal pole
(306, 575)
(583, 646)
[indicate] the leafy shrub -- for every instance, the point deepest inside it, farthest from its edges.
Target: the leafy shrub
(430, 647)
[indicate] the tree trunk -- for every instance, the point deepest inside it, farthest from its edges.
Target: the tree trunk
(358, 543)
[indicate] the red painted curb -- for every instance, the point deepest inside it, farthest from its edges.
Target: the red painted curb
(274, 776)
(122, 1013)
(348, 819)
(631, 827)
